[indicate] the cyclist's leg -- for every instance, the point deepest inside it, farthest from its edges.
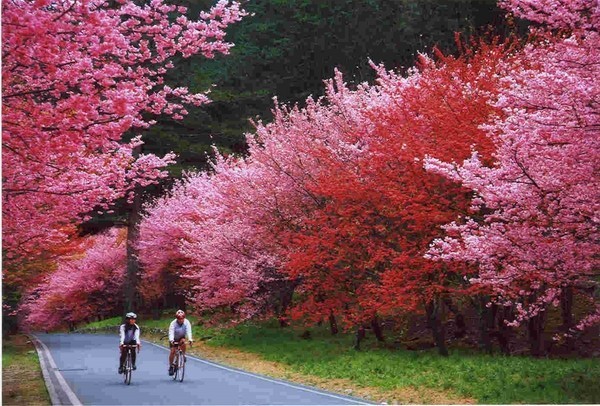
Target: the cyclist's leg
(122, 359)
(132, 342)
(133, 356)
(171, 358)
(172, 354)
(182, 345)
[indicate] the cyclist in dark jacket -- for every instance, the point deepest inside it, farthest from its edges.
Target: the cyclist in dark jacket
(129, 333)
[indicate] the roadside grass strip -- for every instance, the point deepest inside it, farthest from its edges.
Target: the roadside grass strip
(464, 376)
(22, 380)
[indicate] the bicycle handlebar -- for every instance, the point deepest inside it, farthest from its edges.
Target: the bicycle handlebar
(130, 346)
(176, 343)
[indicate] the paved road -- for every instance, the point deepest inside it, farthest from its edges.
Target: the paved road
(86, 364)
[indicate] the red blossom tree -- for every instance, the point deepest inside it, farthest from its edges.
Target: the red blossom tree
(361, 253)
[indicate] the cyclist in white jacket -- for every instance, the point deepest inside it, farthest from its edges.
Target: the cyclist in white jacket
(178, 330)
(129, 334)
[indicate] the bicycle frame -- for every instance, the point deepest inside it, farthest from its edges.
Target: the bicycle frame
(179, 363)
(128, 367)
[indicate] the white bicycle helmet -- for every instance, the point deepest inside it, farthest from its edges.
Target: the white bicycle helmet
(131, 315)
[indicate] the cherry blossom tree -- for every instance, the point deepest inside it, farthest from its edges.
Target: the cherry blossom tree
(76, 77)
(361, 253)
(538, 238)
(84, 286)
(229, 223)
(161, 233)
(557, 14)
(233, 258)
(220, 232)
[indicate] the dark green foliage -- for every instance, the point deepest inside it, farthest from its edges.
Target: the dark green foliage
(10, 301)
(288, 47)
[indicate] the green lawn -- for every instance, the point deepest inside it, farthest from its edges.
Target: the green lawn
(488, 379)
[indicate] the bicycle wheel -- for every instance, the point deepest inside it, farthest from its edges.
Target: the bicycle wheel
(181, 366)
(175, 365)
(128, 367)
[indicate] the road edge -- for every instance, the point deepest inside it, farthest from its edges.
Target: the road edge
(47, 366)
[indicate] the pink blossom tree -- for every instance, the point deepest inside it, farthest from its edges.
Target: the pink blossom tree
(76, 77)
(557, 14)
(216, 228)
(84, 286)
(539, 235)
(163, 229)
(228, 226)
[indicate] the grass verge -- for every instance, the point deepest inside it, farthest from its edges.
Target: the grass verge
(399, 376)
(22, 380)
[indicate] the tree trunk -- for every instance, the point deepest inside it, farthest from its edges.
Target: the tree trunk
(360, 335)
(181, 303)
(504, 331)
(566, 305)
(133, 266)
(286, 294)
(156, 310)
(376, 326)
(434, 312)
(486, 323)
(459, 319)
(333, 324)
(535, 327)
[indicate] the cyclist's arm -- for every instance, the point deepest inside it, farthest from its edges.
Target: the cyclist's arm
(188, 329)
(136, 337)
(122, 334)
(172, 331)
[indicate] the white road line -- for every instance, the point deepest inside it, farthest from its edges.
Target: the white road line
(262, 377)
(44, 366)
(61, 380)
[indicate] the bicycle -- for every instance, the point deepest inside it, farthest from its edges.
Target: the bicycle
(179, 362)
(128, 366)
